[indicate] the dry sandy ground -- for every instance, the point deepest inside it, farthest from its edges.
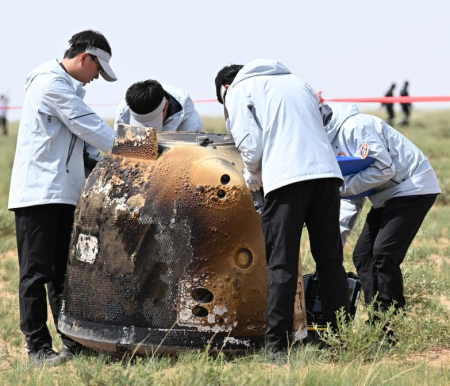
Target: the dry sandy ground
(435, 358)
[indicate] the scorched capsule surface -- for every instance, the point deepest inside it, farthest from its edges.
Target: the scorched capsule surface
(167, 249)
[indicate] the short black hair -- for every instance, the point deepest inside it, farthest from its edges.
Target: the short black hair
(144, 97)
(226, 76)
(81, 41)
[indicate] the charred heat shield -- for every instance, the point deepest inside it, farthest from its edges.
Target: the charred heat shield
(167, 250)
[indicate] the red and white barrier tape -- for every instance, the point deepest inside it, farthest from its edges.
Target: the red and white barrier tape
(406, 99)
(10, 107)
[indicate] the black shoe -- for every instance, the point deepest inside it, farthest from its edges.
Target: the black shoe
(391, 338)
(44, 356)
(68, 353)
(277, 356)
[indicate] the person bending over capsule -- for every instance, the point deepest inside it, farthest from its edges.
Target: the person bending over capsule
(405, 188)
(163, 107)
(275, 120)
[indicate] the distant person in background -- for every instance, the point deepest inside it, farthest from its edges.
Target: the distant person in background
(390, 106)
(406, 107)
(163, 107)
(3, 120)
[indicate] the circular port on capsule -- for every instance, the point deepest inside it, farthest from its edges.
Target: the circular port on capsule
(202, 295)
(243, 258)
(199, 311)
(221, 193)
(225, 179)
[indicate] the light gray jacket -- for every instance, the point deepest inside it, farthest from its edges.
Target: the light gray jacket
(400, 168)
(277, 126)
(54, 125)
(187, 119)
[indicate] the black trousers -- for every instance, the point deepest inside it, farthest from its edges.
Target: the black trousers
(4, 125)
(315, 203)
(43, 238)
(391, 113)
(406, 108)
(382, 246)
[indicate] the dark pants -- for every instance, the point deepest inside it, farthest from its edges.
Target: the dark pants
(43, 238)
(406, 108)
(391, 113)
(382, 246)
(4, 125)
(314, 203)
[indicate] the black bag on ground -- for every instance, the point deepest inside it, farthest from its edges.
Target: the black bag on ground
(314, 313)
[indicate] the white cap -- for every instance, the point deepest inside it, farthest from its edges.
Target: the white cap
(103, 57)
(153, 119)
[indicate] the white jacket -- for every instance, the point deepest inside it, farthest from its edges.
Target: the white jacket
(55, 123)
(348, 216)
(3, 110)
(187, 119)
(399, 169)
(277, 126)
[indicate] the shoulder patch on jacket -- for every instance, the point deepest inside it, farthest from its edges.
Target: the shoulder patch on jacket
(364, 150)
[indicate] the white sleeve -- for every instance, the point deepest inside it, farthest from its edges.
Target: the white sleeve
(192, 120)
(382, 169)
(61, 99)
(119, 115)
(194, 124)
(93, 152)
(348, 216)
(246, 130)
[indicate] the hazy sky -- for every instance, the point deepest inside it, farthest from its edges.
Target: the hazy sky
(345, 48)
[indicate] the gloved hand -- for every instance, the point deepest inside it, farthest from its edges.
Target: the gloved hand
(253, 181)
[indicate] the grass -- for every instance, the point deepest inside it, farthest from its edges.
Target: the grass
(7, 225)
(361, 356)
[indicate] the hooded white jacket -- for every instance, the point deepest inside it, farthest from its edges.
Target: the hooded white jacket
(54, 125)
(400, 168)
(277, 126)
(187, 119)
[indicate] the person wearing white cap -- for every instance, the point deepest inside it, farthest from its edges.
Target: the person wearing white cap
(163, 107)
(47, 177)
